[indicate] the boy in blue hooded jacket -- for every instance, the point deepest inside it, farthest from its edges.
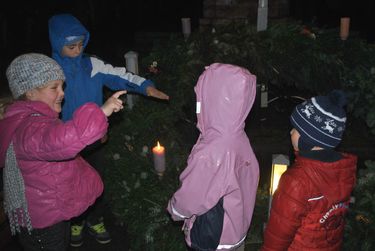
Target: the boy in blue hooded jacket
(85, 78)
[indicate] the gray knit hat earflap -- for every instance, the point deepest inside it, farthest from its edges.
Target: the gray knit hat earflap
(30, 71)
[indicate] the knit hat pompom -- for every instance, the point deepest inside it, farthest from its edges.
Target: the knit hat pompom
(321, 120)
(338, 98)
(30, 71)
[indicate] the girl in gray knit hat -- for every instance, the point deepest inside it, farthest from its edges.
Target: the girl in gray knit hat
(46, 182)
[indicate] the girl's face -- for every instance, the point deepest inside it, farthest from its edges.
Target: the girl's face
(294, 137)
(72, 50)
(52, 94)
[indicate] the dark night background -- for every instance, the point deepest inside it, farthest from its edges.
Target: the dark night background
(116, 26)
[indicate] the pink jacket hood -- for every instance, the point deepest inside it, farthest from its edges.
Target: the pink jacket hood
(59, 184)
(225, 94)
(222, 162)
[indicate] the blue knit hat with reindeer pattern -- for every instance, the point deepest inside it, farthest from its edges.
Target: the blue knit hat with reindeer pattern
(321, 120)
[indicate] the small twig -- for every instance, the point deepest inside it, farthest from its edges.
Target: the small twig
(298, 97)
(271, 100)
(156, 204)
(273, 68)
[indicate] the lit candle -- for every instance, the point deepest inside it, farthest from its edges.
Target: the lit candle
(344, 27)
(159, 159)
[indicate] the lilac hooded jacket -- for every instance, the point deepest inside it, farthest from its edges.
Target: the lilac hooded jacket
(59, 184)
(222, 162)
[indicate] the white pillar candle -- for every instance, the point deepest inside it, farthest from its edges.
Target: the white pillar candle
(262, 18)
(159, 158)
(186, 27)
(131, 58)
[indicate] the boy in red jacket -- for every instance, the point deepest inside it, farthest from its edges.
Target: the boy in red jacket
(308, 208)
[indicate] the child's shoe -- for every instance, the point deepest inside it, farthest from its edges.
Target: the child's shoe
(99, 232)
(76, 236)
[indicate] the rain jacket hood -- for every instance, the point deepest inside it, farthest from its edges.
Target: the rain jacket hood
(223, 105)
(62, 26)
(222, 163)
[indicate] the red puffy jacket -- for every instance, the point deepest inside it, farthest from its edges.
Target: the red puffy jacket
(309, 206)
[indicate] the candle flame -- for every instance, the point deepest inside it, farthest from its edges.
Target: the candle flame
(158, 148)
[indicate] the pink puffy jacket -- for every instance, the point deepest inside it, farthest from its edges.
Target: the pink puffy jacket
(59, 184)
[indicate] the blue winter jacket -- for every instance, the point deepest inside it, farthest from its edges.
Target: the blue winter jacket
(86, 75)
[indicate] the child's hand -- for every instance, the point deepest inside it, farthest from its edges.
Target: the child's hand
(153, 92)
(113, 104)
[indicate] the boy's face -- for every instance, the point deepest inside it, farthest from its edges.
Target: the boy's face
(294, 137)
(52, 94)
(72, 50)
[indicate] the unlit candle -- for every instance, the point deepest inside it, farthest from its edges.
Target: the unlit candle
(186, 26)
(344, 28)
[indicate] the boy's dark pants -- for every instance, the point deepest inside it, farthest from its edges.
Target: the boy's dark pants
(53, 238)
(94, 155)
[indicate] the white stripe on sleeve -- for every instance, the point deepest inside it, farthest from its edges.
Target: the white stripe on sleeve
(98, 66)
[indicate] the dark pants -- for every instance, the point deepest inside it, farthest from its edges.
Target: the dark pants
(94, 155)
(53, 238)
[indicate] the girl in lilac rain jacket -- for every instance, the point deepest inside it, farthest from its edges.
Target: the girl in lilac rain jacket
(218, 187)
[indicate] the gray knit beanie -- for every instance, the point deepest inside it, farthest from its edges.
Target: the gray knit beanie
(30, 71)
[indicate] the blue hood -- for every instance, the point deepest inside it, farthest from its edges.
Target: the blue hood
(61, 26)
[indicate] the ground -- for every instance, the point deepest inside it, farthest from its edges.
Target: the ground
(120, 241)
